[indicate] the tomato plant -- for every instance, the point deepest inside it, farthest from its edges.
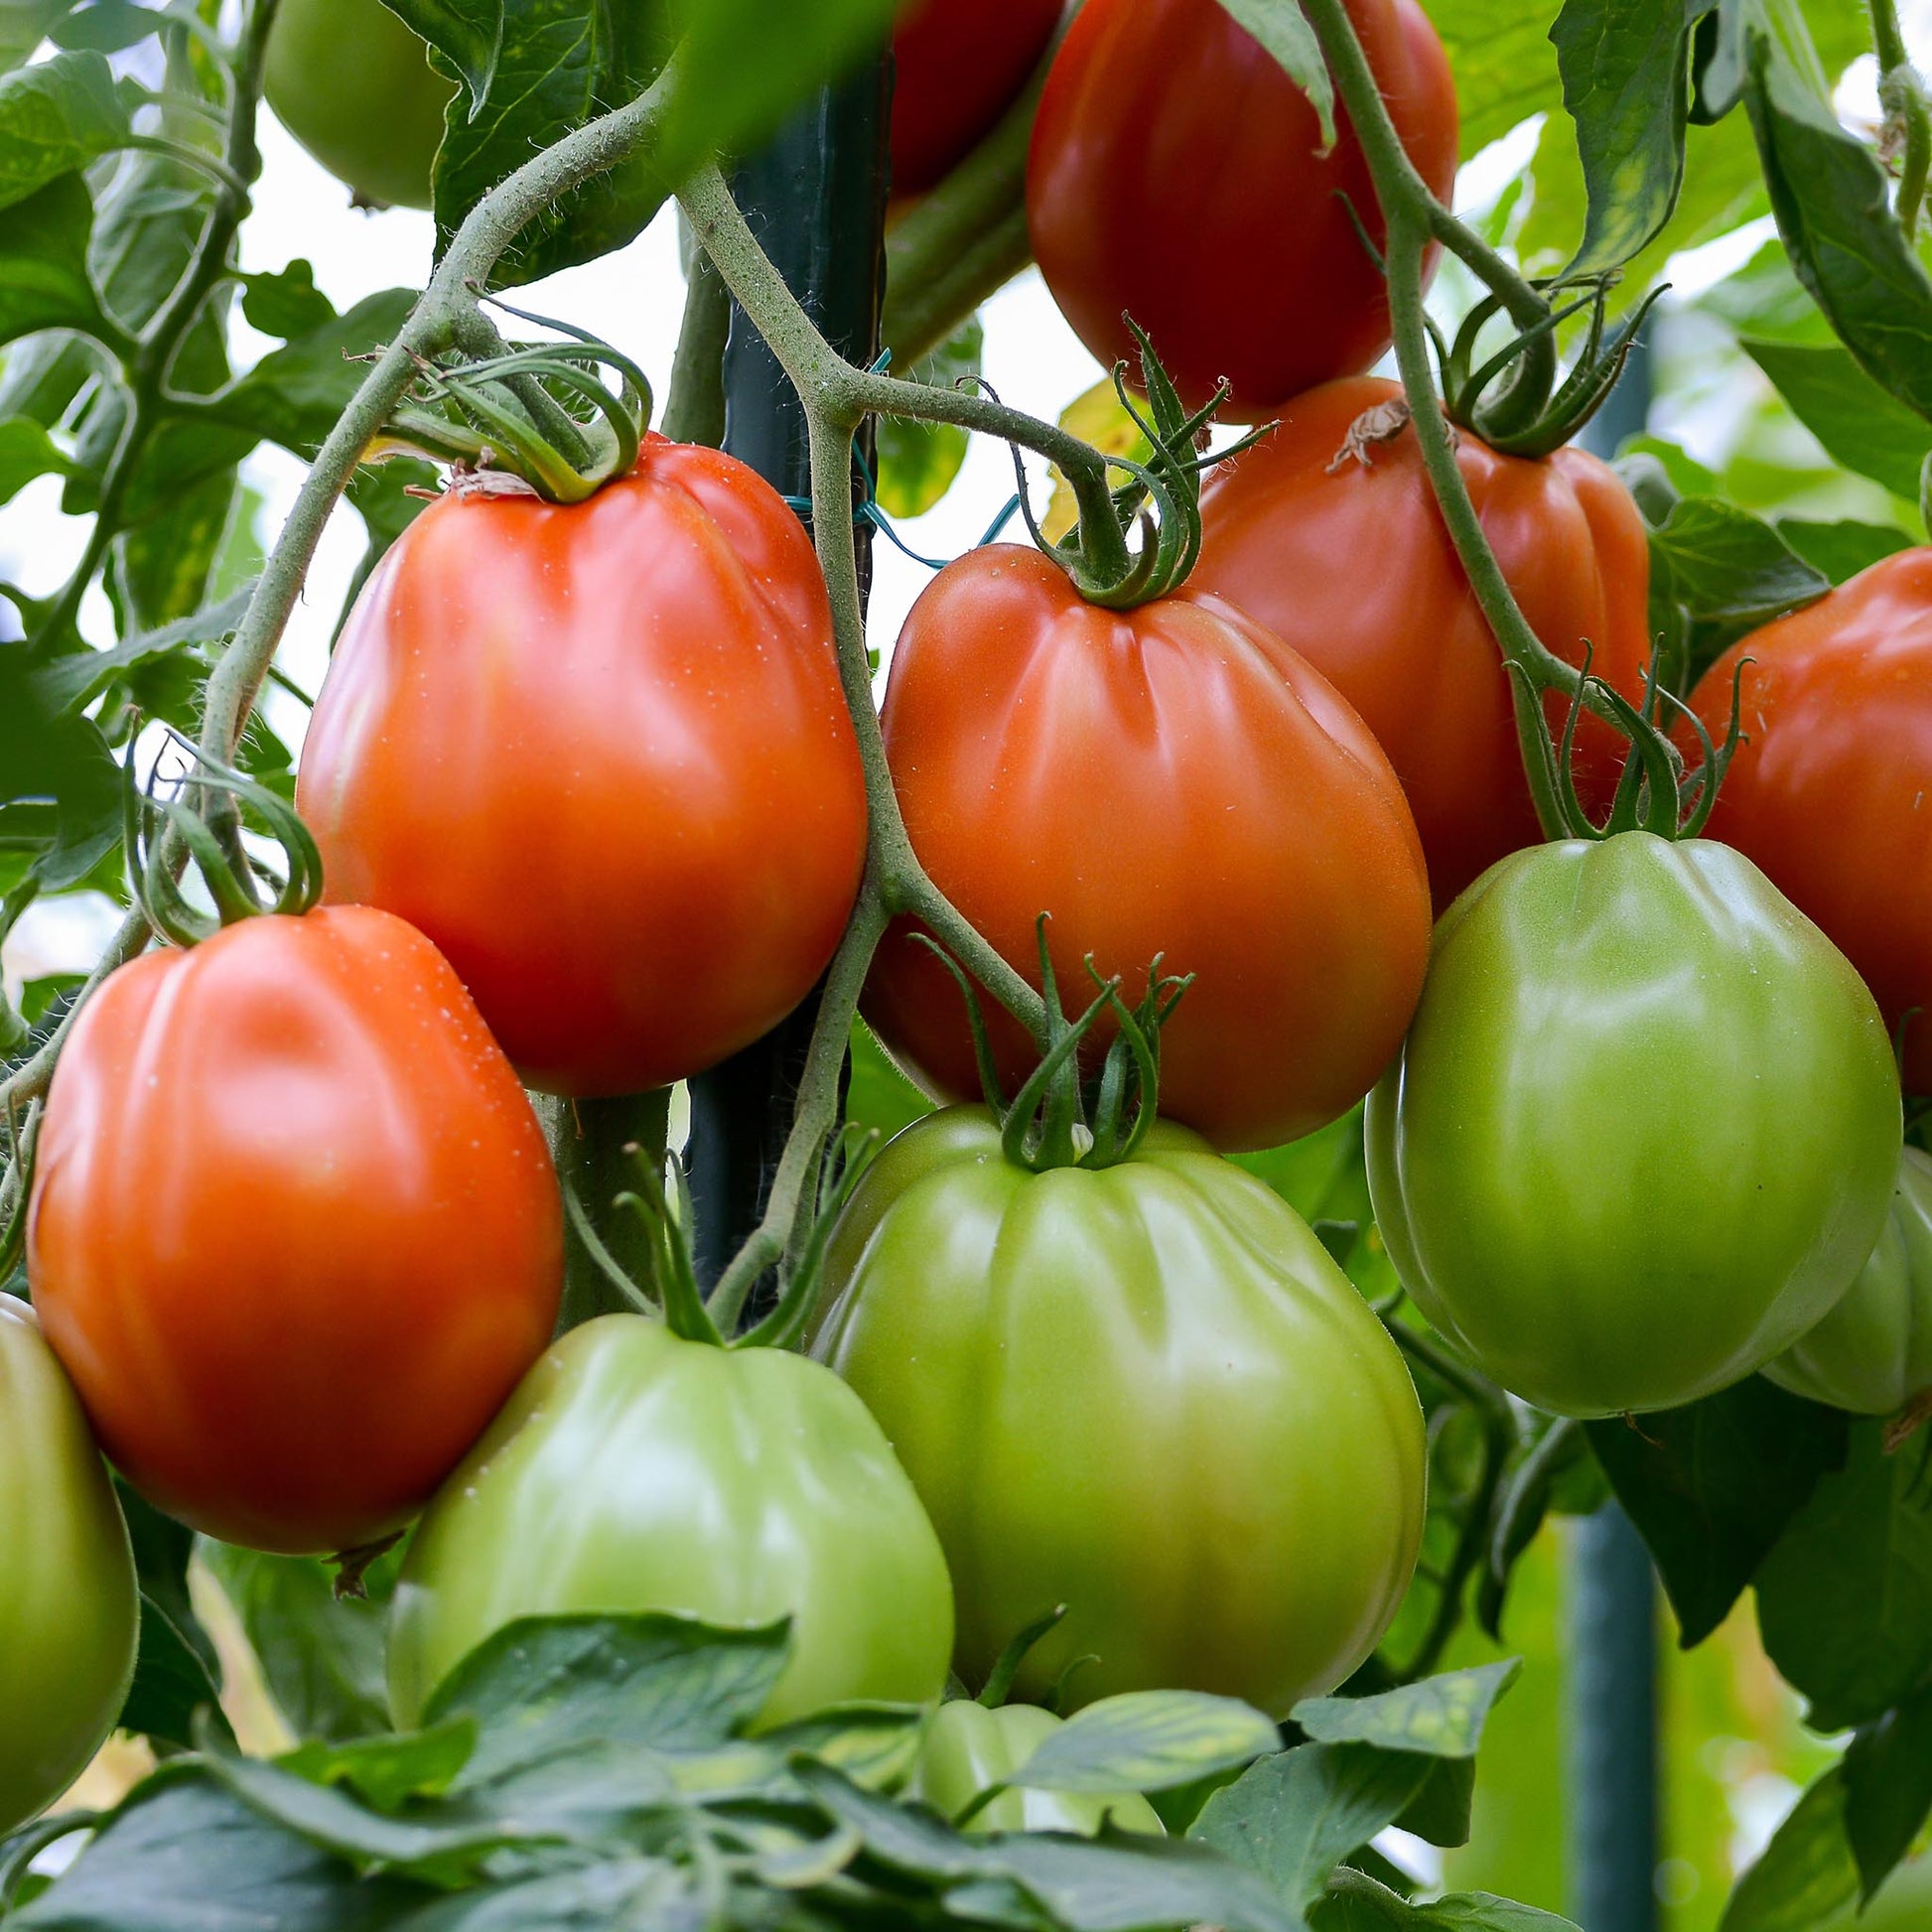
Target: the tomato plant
(67, 1607)
(1872, 1353)
(637, 837)
(635, 1470)
(1172, 156)
(294, 1231)
(1643, 1095)
(356, 88)
(1226, 1493)
(1166, 779)
(969, 1748)
(1286, 526)
(1827, 790)
(957, 69)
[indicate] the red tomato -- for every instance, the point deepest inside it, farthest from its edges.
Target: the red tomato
(1353, 564)
(959, 65)
(1171, 779)
(294, 1231)
(1177, 174)
(600, 756)
(1830, 791)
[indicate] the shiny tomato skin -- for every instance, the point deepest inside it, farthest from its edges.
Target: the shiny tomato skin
(959, 66)
(1168, 779)
(68, 1613)
(1350, 562)
(1872, 1355)
(1145, 1392)
(294, 1231)
(354, 86)
(1174, 173)
(601, 757)
(1644, 1130)
(634, 1472)
(968, 1747)
(1830, 791)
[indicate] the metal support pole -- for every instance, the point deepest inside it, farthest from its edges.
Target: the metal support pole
(1611, 1772)
(816, 199)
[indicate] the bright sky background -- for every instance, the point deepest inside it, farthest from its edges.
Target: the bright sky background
(633, 300)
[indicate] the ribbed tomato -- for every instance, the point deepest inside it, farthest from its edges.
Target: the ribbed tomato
(294, 1230)
(1166, 779)
(600, 754)
(1177, 173)
(958, 67)
(1830, 791)
(1347, 557)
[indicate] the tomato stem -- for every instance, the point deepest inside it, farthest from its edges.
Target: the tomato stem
(1908, 116)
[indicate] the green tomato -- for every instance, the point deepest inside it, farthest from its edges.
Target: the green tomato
(356, 88)
(631, 1471)
(968, 1747)
(1145, 1392)
(1872, 1355)
(69, 1611)
(1645, 1127)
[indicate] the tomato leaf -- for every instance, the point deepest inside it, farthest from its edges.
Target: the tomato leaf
(386, 1771)
(1283, 29)
(1806, 1874)
(24, 23)
(1625, 68)
(44, 279)
(1832, 199)
(54, 118)
(1845, 1600)
(107, 26)
(1293, 1817)
(182, 1854)
(1358, 1903)
(1442, 1717)
(1712, 1486)
(1504, 65)
(1841, 550)
(1729, 572)
(171, 1684)
(1859, 424)
(27, 451)
(1887, 1772)
(917, 461)
(60, 787)
(1147, 1740)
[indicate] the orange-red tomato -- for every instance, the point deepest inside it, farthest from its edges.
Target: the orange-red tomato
(294, 1231)
(1830, 791)
(600, 756)
(1177, 174)
(1350, 559)
(959, 63)
(1170, 780)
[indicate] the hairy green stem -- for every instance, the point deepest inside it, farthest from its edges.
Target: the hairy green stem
(1902, 94)
(694, 405)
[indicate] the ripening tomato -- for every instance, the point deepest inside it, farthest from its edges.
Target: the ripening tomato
(1177, 174)
(354, 86)
(600, 754)
(968, 1747)
(1347, 558)
(1144, 1391)
(1644, 1130)
(633, 1470)
(69, 1613)
(1168, 779)
(294, 1230)
(1830, 791)
(958, 67)
(1872, 1355)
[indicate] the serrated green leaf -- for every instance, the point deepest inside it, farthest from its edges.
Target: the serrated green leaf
(55, 116)
(43, 280)
(1147, 1740)
(24, 23)
(107, 26)
(1806, 1874)
(1841, 549)
(384, 1773)
(27, 451)
(917, 461)
(1887, 1772)
(170, 1683)
(1357, 1903)
(1861, 426)
(1503, 61)
(1283, 29)
(1441, 1716)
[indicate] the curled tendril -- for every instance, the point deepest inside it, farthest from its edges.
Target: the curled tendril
(235, 880)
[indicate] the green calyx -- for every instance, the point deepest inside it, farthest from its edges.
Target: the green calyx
(1160, 498)
(1530, 413)
(671, 1293)
(208, 809)
(1657, 792)
(536, 418)
(1055, 1120)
